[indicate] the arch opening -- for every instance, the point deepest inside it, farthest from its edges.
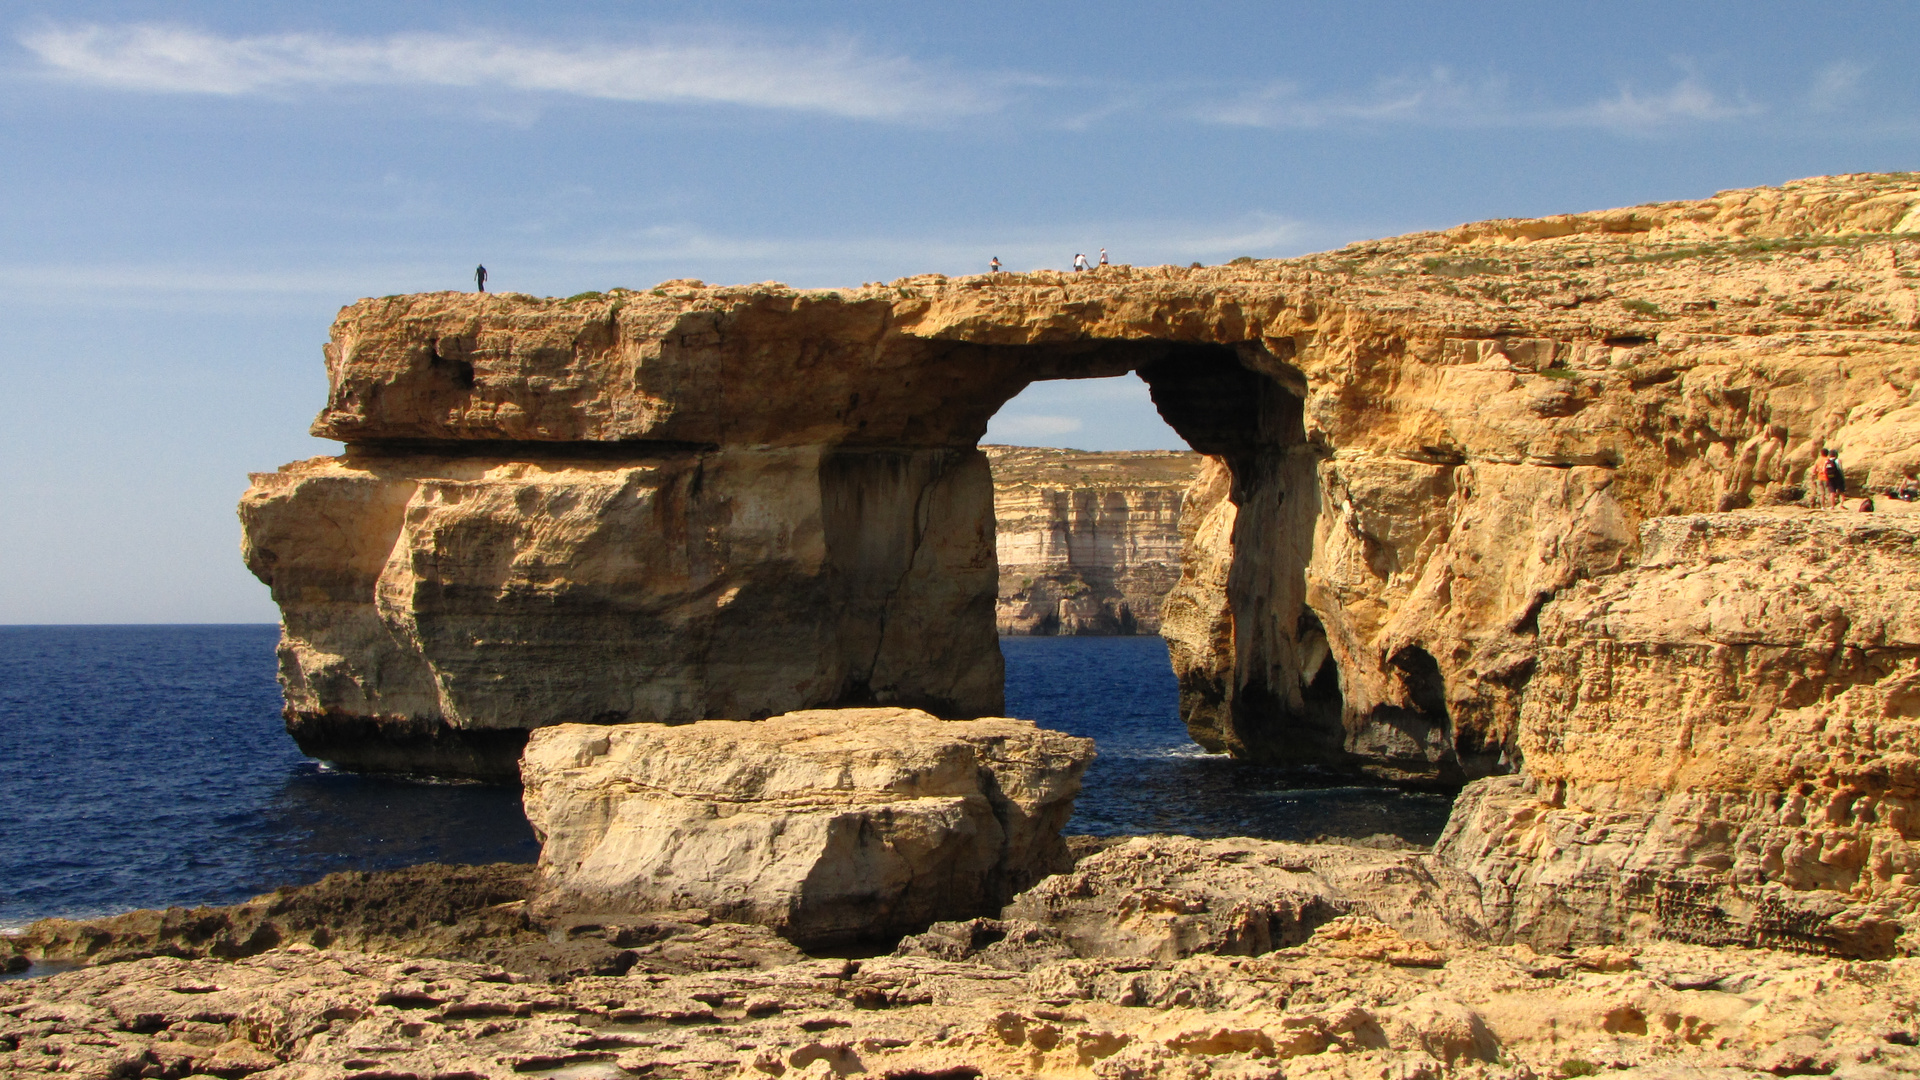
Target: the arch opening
(1246, 666)
(1257, 677)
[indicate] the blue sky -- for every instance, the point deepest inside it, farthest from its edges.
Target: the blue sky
(190, 191)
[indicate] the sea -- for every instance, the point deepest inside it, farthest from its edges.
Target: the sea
(146, 766)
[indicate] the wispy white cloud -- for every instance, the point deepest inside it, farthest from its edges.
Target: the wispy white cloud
(1836, 86)
(1686, 101)
(836, 78)
(98, 279)
(1031, 426)
(1440, 98)
(1019, 247)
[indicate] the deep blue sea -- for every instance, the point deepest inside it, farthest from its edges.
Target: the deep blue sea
(145, 766)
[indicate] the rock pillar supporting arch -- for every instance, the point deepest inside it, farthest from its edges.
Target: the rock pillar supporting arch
(1271, 690)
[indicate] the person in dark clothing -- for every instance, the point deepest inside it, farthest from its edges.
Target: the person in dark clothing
(480, 278)
(1833, 479)
(995, 265)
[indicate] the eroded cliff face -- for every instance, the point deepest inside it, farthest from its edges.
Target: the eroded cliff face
(1088, 543)
(1428, 457)
(1722, 744)
(436, 608)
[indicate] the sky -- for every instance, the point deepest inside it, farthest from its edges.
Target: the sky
(189, 191)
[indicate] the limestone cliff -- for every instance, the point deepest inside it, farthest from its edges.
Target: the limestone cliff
(1088, 543)
(1428, 455)
(1722, 744)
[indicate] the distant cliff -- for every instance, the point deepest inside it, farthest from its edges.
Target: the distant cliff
(1089, 543)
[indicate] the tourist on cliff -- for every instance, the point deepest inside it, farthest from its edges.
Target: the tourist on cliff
(1833, 479)
(480, 277)
(1080, 263)
(1103, 256)
(994, 266)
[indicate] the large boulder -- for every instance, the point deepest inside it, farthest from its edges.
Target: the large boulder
(831, 826)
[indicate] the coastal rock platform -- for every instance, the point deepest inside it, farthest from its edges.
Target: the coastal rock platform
(1352, 998)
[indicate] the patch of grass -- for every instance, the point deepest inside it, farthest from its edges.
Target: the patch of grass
(1672, 255)
(1243, 260)
(1450, 268)
(1765, 246)
(658, 292)
(1558, 373)
(1578, 1067)
(1642, 307)
(577, 297)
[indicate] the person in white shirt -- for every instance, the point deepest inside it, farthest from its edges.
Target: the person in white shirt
(1080, 263)
(1103, 256)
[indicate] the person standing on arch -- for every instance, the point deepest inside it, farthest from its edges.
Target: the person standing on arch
(1103, 256)
(1080, 263)
(480, 278)
(994, 266)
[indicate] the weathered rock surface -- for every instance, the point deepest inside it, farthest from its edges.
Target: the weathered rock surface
(418, 593)
(1429, 545)
(1722, 745)
(1167, 897)
(1355, 1000)
(1088, 542)
(1421, 441)
(831, 827)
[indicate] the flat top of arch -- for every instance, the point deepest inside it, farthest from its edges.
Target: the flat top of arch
(1804, 266)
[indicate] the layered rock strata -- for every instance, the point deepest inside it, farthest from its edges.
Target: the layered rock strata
(436, 607)
(1088, 543)
(832, 827)
(1722, 745)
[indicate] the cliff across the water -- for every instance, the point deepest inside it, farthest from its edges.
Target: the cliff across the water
(1519, 505)
(1087, 542)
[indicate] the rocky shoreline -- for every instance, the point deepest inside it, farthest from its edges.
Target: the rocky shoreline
(1519, 510)
(1153, 957)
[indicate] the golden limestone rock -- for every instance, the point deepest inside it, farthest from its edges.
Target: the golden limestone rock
(832, 826)
(1433, 542)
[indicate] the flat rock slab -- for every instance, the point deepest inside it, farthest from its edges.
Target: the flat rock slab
(1169, 897)
(831, 826)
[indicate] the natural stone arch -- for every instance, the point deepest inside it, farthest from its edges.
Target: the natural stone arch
(1555, 463)
(828, 544)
